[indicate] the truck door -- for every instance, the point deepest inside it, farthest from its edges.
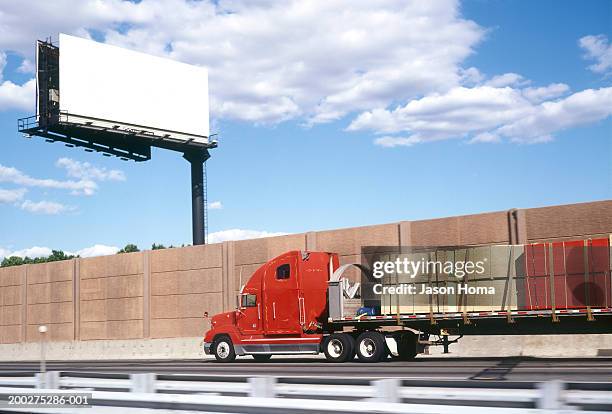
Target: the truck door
(281, 302)
(249, 313)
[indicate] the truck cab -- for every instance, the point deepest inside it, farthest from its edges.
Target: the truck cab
(281, 309)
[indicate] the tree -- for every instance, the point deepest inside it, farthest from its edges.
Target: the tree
(55, 256)
(129, 248)
(12, 261)
(158, 247)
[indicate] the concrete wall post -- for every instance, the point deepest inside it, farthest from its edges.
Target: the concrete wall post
(405, 234)
(76, 298)
(24, 304)
(311, 241)
(146, 300)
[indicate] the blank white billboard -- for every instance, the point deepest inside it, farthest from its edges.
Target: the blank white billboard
(107, 82)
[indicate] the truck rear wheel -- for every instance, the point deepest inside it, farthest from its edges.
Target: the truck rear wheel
(223, 348)
(371, 347)
(339, 347)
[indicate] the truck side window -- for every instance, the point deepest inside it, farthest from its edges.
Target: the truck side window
(283, 272)
(249, 301)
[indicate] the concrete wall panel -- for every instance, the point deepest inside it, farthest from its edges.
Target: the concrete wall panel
(115, 265)
(113, 287)
(187, 258)
(12, 276)
(55, 332)
(112, 309)
(260, 250)
(573, 220)
(350, 241)
(11, 315)
(131, 329)
(11, 295)
(50, 292)
(44, 313)
(185, 306)
(187, 281)
(10, 334)
(50, 272)
(175, 328)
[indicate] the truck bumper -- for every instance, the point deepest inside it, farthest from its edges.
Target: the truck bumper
(207, 346)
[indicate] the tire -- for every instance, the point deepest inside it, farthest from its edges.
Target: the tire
(407, 347)
(223, 348)
(262, 357)
(339, 347)
(371, 347)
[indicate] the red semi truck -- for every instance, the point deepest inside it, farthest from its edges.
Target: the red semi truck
(296, 304)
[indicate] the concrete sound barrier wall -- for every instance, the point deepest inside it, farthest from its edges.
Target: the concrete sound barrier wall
(164, 293)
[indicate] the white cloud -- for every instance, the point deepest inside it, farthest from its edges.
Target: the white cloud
(30, 252)
(543, 120)
(507, 79)
(2, 63)
(14, 96)
(598, 49)
(13, 175)
(544, 93)
(239, 234)
(36, 251)
(215, 205)
(86, 171)
(11, 196)
(485, 137)
(27, 66)
(273, 61)
(486, 113)
(45, 207)
(391, 142)
(96, 250)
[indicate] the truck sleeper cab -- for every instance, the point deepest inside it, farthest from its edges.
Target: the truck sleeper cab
(283, 309)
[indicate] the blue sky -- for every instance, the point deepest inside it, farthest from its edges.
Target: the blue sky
(498, 104)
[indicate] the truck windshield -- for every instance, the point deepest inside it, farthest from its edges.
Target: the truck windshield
(249, 301)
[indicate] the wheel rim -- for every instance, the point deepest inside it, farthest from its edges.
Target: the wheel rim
(335, 348)
(223, 350)
(367, 347)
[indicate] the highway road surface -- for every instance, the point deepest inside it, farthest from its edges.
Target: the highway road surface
(470, 369)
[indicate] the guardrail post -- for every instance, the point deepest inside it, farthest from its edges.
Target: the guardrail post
(142, 383)
(551, 395)
(262, 387)
(387, 390)
(48, 380)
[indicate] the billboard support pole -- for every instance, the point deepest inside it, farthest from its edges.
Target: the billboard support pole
(196, 159)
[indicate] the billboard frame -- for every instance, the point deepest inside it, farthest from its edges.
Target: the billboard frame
(112, 138)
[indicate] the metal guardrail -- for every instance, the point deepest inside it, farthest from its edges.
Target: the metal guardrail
(309, 395)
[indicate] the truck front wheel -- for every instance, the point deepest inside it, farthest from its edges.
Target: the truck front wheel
(339, 347)
(371, 347)
(223, 348)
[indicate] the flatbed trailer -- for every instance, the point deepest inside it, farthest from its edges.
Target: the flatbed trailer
(302, 303)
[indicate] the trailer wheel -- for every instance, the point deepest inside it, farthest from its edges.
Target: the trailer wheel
(261, 357)
(339, 347)
(371, 347)
(407, 347)
(223, 348)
